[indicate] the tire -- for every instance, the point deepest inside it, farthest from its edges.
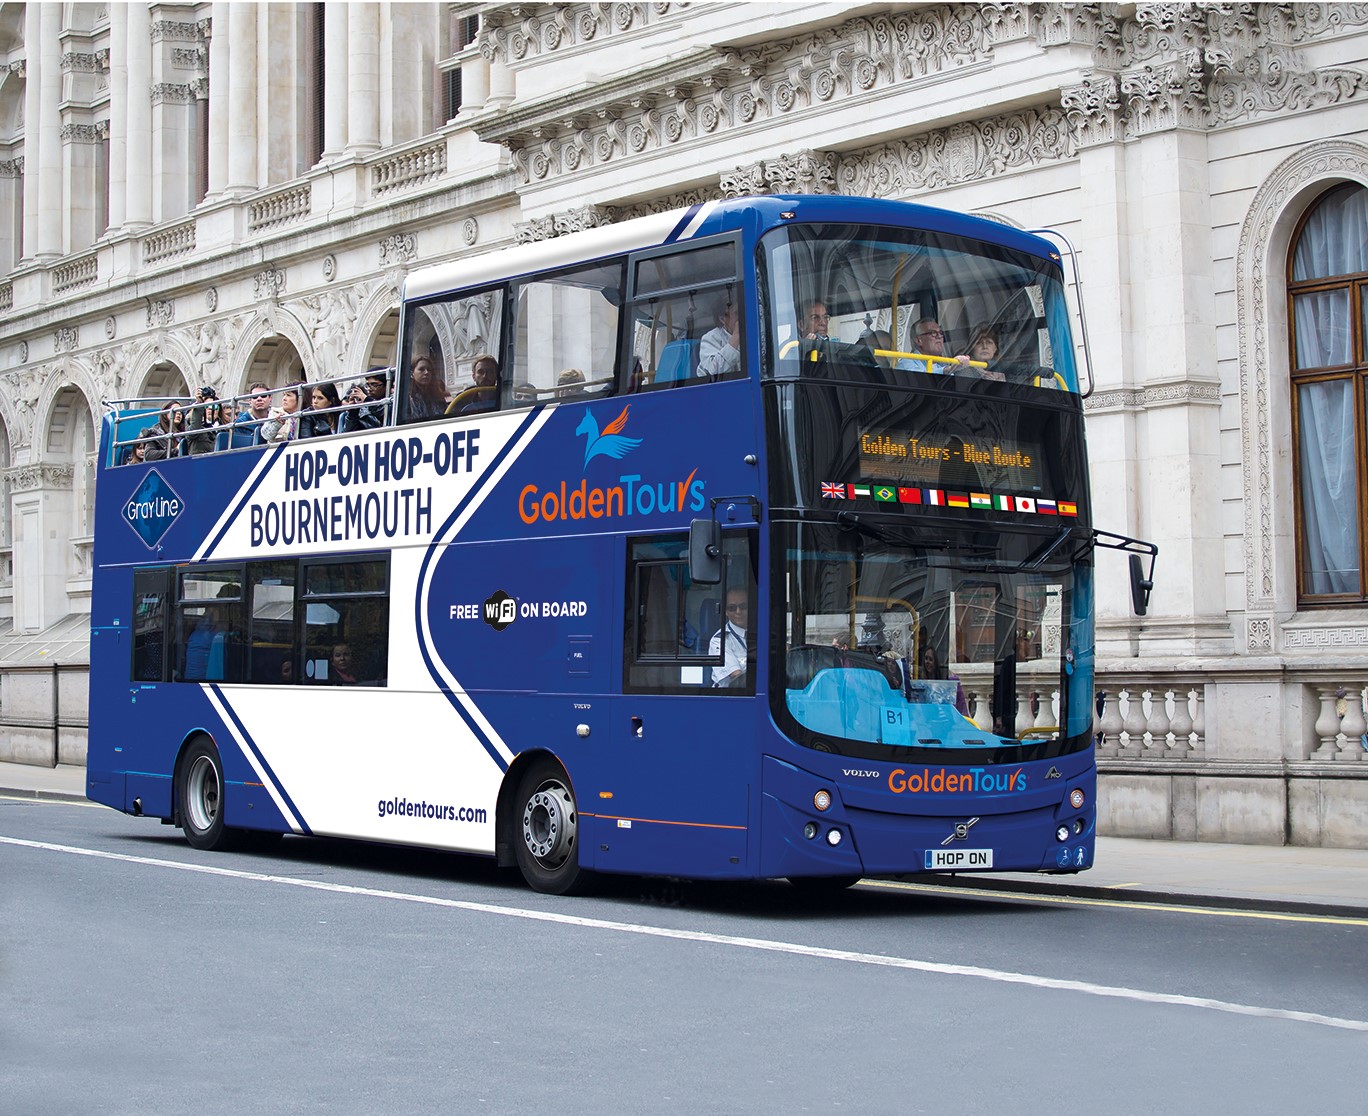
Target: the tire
(199, 795)
(546, 831)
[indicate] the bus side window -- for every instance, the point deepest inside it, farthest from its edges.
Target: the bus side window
(150, 599)
(209, 629)
(346, 622)
(271, 630)
(564, 321)
(685, 321)
(674, 629)
(449, 347)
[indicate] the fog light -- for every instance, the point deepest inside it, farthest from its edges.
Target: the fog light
(822, 800)
(1062, 833)
(833, 837)
(1079, 825)
(1077, 798)
(810, 830)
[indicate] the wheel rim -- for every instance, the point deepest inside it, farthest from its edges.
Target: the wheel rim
(548, 824)
(202, 793)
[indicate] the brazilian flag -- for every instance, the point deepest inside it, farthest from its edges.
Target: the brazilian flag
(886, 495)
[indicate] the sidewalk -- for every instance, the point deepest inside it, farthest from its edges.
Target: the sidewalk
(1269, 877)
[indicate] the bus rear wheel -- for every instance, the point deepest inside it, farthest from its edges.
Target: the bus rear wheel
(547, 820)
(199, 792)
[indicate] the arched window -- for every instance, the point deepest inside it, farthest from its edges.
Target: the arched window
(1327, 284)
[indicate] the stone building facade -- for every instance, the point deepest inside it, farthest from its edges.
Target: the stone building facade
(220, 193)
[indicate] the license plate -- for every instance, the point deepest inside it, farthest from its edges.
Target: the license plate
(943, 860)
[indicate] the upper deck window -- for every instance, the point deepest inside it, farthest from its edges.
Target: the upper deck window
(566, 333)
(915, 302)
(451, 359)
(686, 318)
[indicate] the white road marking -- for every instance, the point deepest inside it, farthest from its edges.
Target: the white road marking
(1001, 976)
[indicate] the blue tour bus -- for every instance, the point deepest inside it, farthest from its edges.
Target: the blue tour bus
(747, 541)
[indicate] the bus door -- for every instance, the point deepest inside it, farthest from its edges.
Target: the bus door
(674, 789)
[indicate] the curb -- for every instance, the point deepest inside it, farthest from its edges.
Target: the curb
(45, 795)
(1163, 898)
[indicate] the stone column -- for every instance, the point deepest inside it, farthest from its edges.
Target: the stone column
(118, 114)
(33, 139)
(336, 89)
(48, 123)
(242, 98)
(219, 33)
(42, 502)
(138, 201)
(363, 75)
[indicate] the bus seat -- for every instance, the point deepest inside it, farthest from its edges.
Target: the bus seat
(678, 361)
(238, 437)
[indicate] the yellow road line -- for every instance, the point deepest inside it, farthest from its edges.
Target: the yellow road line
(1125, 904)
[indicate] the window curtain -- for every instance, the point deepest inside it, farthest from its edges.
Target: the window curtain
(1334, 241)
(1329, 487)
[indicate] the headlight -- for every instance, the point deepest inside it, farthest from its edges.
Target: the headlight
(822, 801)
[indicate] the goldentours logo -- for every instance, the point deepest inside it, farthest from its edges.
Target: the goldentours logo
(152, 509)
(629, 495)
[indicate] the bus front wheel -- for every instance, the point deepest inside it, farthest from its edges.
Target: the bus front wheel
(199, 791)
(547, 822)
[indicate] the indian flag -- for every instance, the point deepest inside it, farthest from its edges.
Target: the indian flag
(957, 499)
(981, 500)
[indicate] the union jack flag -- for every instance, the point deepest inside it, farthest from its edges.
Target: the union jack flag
(833, 491)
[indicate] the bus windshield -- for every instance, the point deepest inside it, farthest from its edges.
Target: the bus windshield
(915, 301)
(933, 638)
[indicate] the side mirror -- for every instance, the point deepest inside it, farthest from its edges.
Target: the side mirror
(1140, 586)
(705, 552)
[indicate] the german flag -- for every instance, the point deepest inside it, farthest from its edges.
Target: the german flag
(957, 499)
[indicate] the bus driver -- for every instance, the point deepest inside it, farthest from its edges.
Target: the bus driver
(730, 641)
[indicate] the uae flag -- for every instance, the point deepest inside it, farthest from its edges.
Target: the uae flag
(1025, 504)
(909, 496)
(833, 491)
(857, 490)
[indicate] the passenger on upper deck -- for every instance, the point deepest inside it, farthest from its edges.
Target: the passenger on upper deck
(983, 346)
(170, 426)
(483, 393)
(203, 421)
(719, 350)
(250, 421)
(322, 419)
(283, 424)
(427, 393)
(570, 384)
(929, 338)
(371, 414)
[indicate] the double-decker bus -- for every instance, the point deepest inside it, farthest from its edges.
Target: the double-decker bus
(718, 543)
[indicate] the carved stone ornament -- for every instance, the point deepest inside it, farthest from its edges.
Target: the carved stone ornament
(65, 339)
(111, 328)
(160, 312)
(329, 267)
(470, 230)
(268, 284)
(401, 248)
(23, 352)
(28, 478)
(211, 299)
